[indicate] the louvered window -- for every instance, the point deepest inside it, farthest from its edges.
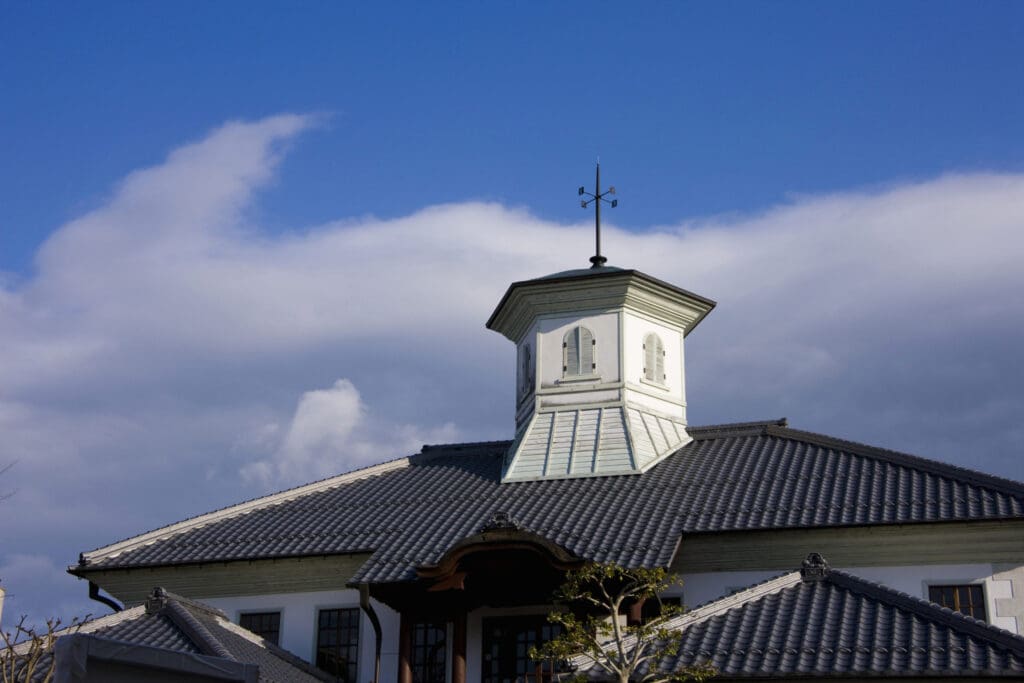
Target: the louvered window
(578, 352)
(654, 359)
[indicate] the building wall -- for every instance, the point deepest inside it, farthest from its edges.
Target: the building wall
(299, 624)
(1003, 585)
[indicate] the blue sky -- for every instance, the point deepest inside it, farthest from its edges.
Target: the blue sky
(696, 109)
(246, 245)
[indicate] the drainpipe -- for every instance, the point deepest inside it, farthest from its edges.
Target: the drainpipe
(364, 602)
(94, 594)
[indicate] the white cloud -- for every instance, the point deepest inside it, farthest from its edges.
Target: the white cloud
(330, 433)
(167, 344)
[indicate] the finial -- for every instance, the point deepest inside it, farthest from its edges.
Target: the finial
(596, 197)
(814, 568)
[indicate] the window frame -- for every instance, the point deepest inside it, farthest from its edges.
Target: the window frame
(593, 374)
(318, 610)
(445, 627)
(655, 382)
(262, 612)
(957, 585)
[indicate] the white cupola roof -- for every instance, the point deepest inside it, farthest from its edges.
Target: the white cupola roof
(600, 381)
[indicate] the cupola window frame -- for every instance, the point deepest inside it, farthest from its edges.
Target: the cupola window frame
(579, 355)
(527, 372)
(654, 361)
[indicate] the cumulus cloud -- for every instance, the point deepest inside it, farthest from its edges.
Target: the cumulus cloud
(330, 433)
(169, 356)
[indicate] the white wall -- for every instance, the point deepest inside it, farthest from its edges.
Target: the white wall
(299, 610)
(604, 326)
(299, 621)
(634, 329)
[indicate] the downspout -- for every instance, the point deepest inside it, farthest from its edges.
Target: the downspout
(364, 602)
(94, 594)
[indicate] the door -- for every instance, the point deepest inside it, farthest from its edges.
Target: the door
(506, 649)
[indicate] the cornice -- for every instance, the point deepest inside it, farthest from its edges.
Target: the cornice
(525, 301)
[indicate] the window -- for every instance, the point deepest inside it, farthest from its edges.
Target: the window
(337, 642)
(654, 359)
(266, 625)
(506, 649)
(526, 375)
(578, 352)
(967, 599)
(429, 652)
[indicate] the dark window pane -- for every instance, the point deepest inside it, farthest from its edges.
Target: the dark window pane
(266, 625)
(966, 599)
(337, 642)
(429, 652)
(507, 642)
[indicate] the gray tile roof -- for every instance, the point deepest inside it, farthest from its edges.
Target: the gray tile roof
(176, 624)
(731, 477)
(824, 622)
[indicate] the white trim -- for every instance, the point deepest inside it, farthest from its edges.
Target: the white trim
(115, 549)
(660, 385)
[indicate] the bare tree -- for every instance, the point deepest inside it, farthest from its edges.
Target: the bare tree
(590, 605)
(26, 654)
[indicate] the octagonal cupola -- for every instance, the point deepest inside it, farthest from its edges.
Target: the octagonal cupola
(600, 381)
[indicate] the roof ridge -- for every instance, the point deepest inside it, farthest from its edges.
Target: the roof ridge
(464, 446)
(929, 610)
(966, 475)
(196, 630)
(164, 532)
(717, 430)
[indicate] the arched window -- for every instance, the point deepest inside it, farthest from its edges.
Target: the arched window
(654, 359)
(578, 357)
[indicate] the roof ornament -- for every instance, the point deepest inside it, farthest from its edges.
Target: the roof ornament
(156, 601)
(596, 197)
(814, 568)
(500, 520)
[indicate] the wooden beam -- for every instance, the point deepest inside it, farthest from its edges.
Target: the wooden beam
(405, 648)
(459, 649)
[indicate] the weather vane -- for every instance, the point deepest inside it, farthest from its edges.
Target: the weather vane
(596, 197)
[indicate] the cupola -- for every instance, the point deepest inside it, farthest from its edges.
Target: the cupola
(600, 379)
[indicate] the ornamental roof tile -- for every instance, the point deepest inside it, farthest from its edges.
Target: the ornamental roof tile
(750, 476)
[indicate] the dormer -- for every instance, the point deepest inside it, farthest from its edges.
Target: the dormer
(600, 374)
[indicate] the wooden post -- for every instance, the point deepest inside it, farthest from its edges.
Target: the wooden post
(459, 648)
(404, 648)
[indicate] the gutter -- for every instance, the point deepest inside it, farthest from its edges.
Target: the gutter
(367, 606)
(94, 594)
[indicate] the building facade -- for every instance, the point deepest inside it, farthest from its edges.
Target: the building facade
(440, 566)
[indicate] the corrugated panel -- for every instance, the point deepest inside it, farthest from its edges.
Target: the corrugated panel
(645, 450)
(614, 453)
(585, 453)
(562, 442)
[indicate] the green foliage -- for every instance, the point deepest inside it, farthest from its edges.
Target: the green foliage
(588, 606)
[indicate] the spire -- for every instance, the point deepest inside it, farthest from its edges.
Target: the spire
(596, 197)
